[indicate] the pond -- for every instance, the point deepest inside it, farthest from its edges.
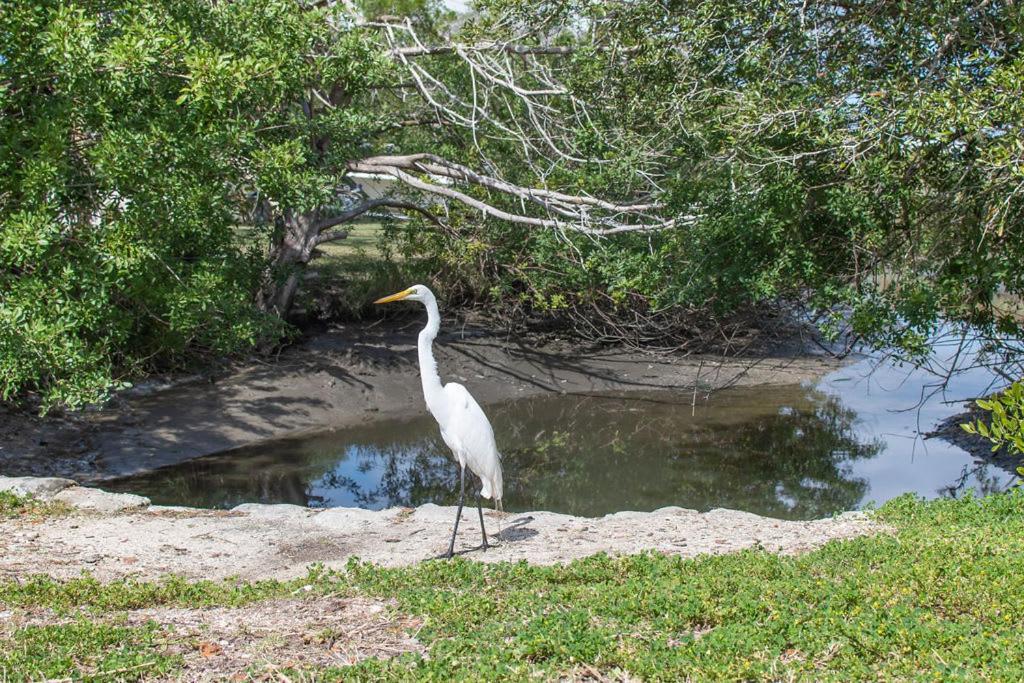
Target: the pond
(791, 451)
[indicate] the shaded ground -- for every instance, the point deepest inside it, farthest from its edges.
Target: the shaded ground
(349, 375)
(119, 535)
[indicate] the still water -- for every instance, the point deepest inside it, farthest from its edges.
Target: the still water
(794, 452)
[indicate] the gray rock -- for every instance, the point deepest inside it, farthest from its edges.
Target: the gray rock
(100, 501)
(43, 488)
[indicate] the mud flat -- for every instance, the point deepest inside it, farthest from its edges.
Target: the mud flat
(115, 535)
(352, 375)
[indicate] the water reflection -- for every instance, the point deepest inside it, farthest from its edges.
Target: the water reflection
(787, 452)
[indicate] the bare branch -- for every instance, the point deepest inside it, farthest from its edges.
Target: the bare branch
(331, 237)
(419, 51)
(569, 212)
(351, 214)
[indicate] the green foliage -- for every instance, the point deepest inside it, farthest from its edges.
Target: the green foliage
(854, 160)
(133, 138)
(858, 161)
(14, 506)
(939, 598)
(1005, 425)
(85, 651)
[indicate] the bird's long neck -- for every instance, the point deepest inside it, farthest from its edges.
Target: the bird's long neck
(428, 366)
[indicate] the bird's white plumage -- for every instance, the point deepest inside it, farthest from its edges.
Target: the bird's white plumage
(468, 433)
(464, 427)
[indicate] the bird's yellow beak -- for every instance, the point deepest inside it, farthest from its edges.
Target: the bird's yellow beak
(396, 297)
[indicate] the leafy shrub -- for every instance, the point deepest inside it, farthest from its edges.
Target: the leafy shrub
(1005, 426)
(132, 136)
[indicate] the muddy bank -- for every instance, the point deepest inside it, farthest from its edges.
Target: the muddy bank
(951, 431)
(118, 535)
(347, 376)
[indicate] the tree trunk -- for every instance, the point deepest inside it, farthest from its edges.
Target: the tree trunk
(288, 261)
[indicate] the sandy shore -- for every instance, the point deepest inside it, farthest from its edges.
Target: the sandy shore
(119, 535)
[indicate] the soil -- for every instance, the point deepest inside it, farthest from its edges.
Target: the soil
(351, 374)
(228, 643)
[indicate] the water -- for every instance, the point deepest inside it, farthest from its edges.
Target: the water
(793, 452)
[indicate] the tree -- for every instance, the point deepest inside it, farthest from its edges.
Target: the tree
(863, 159)
(122, 131)
(167, 169)
(166, 164)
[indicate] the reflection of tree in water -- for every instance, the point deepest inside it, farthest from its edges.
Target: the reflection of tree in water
(221, 481)
(789, 463)
(410, 475)
(583, 455)
(983, 478)
(593, 456)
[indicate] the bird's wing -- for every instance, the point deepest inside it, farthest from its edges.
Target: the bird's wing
(469, 431)
(467, 421)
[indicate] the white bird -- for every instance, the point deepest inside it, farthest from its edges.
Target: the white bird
(464, 427)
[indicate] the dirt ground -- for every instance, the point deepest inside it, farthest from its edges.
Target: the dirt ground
(349, 375)
(229, 643)
(120, 535)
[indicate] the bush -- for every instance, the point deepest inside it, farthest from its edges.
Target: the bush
(1005, 426)
(127, 134)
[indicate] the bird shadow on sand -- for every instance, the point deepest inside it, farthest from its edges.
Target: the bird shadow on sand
(515, 531)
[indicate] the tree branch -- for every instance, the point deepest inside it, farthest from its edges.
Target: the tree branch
(362, 208)
(571, 212)
(422, 50)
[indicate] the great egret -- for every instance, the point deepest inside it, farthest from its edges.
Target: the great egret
(464, 427)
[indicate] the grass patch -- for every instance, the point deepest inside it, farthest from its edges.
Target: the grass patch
(942, 599)
(87, 593)
(13, 506)
(362, 240)
(92, 644)
(83, 650)
(346, 276)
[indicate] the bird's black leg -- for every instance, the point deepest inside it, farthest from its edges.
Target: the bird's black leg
(458, 516)
(483, 530)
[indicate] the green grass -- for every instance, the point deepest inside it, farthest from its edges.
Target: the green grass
(13, 506)
(942, 599)
(362, 240)
(346, 276)
(83, 650)
(66, 597)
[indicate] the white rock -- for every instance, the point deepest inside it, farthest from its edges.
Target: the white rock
(41, 487)
(347, 518)
(100, 501)
(278, 510)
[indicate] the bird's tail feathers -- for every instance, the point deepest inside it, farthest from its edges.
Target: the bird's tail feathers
(492, 486)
